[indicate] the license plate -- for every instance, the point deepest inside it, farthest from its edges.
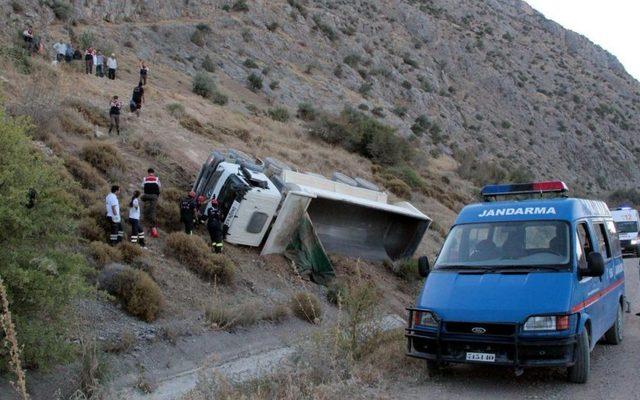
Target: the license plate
(482, 357)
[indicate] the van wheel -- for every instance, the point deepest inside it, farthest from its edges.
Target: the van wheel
(614, 334)
(579, 373)
(433, 368)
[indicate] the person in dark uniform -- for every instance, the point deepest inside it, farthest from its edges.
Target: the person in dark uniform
(214, 226)
(188, 207)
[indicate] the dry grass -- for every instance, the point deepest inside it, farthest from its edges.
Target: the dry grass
(90, 230)
(123, 344)
(130, 251)
(306, 306)
(91, 113)
(168, 213)
(72, 122)
(194, 252)
(84, 173)
(93, 371)
(104, 254)
(230, 318)
(140, 295)
(102, 156)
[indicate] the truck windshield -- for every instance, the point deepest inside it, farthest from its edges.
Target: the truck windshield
(522, 244)
(626, 226)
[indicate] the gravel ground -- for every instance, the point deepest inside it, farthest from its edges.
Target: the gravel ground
(615, 370)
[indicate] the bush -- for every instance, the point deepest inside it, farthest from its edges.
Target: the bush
(84, 173)
(91, 231)
(254, 82)
(306, 306)
(327, 30)
(280, 114)
(400, 111)
(219, 98)
(140, 295)
(336, 293)
(86, 39)
(407, 59)
(397, 186)
(198, 38)
(103, 156)
(273, 26)
(420, 125)
(168, 214)
(240, 5)
(274, 85)
(39, 264)
(306, 112)
(230, 318)
(129, 251)
(61, 9)
(407, 270)
(208, 64)
(92, 113)
(204, 84)
(249, 63)
(378, 112)
(359, 133)
(352, 60)
(104, 254)
(176, 110)
(194, 252)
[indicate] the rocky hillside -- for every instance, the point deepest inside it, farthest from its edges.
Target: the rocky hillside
(493, 84)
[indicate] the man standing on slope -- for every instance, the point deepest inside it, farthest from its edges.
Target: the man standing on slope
(112, 65)
(151, 192)
(113, 215)
(188, 207)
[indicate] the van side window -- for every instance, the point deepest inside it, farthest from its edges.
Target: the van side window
(603, 240)
(584, 244)
(613, 236)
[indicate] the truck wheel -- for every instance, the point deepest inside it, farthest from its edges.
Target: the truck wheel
(579, 373)
(433, 368)
(614, 334)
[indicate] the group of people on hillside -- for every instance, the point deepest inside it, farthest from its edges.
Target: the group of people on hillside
(135, 104)
(92, 58)
(192, 211)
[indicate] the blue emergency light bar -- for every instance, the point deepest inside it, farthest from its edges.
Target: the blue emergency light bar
(524, 188)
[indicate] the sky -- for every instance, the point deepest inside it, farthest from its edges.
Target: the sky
(612, 24)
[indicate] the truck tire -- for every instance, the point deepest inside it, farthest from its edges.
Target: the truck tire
(433, 368)
(614, 334)
(579, 372)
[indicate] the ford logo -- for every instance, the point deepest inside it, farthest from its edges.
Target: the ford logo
(478, 330)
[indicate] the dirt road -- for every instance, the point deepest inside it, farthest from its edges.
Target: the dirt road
(615, 370)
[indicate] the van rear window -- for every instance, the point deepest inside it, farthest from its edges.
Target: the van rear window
(514, 244)
(626, 226)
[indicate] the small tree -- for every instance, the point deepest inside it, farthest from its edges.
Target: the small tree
(254, 82)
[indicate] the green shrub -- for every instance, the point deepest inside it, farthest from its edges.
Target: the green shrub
(254, 82)
(280, 114)
(204, 84)
(297, 5)
(95, 115)
(84, 173)
(420, 125)
(364, 135)
(39, 264)
(326, 30)
(167, 213)
(91, 231)
(365, 89)
(397, 186)
(378, 112)
(176, 110)
(400, 111)
(306, 306)
(274, 85)
(249, 63)
(406, 84)
(306, 112)
(336, 293)
(86, 39)
(505, 124)
(102, 156)
(240, 5)
(219, 98)
(202, 27)
(407, 270)
(352, 60)
(140, 295)
(104, 254)
(273, 26)
(208, 64)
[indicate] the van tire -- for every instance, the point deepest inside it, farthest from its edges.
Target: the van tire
(579, 372)
(433, 368)
(614, 334)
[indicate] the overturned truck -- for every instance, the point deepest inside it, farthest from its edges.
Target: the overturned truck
(305, 215)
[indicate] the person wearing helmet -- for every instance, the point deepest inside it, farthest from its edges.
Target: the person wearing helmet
(188, 207)
(214, 226)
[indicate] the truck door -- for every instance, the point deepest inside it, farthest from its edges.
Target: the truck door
(588, 287)
(601, 313)
(609, 300)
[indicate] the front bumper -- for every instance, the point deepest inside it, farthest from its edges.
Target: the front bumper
(509, 349)
(627, 247)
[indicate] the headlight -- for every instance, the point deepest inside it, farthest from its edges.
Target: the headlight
(634, 241)
(547, 323)
(425, 318)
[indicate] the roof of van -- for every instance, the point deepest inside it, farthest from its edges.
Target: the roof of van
(568, 209)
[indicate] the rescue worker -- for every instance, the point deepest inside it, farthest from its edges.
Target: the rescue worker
(188, 207)
(151, 193)
(113, 215)
(137, 233)
(214, 226)
(114, 114)
(138, 97)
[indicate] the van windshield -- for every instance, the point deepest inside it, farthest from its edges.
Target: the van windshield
(626, 226)
(522, 244)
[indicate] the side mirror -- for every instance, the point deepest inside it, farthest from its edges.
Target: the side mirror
(595, 265)
(423, 266)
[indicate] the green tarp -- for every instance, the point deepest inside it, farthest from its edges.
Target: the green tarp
(306, 251)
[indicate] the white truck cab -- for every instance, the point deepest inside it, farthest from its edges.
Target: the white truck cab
(627, 223)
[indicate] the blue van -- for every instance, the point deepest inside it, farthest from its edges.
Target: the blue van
(533, 282)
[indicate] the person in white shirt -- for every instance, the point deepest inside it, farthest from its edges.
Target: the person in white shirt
(112, 64)
(113, 215)
(137, 233)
